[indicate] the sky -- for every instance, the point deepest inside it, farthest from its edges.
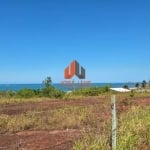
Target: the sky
(109, 38)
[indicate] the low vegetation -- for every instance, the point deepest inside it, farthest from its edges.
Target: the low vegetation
(91, 115)
(134, 129)
(133, 133)
(46, 91)
(63, 118)
(91, 91)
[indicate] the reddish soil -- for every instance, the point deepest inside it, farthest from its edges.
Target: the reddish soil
(57, 139)
(14, 109)
(39, 140)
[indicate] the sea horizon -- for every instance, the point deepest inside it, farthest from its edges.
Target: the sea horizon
(63, 87)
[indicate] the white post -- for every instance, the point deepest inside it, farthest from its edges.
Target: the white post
(113, 110)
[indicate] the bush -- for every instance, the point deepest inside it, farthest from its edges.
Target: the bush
(10, 94)
(52, 92)
(37, 92)
(126, 87)
(58, 93)
(93, 91)
(132, 93)
(47, 91)
(26, 93)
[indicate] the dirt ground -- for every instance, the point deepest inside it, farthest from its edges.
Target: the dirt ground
(56, 139)
(39, 140)
(14, 109)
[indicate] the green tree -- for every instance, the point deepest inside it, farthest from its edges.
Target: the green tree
(144, 83)
(50, 91)
(126, 87)
(137, 85)
(47, 89)
(47, 82)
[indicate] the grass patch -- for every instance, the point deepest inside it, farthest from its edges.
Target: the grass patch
(133, 133)
(63, 118)
(93, 140)
(134, 129)
(6, 101)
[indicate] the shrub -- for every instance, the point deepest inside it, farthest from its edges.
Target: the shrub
(126, 87)
(92, 91)
(47, 91)
(26, 93)
(10, 94)
(58, 93)
(132, 94)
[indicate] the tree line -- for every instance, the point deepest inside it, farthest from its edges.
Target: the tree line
(144, 84)
(47, 90)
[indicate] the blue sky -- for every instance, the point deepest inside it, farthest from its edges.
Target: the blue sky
(109, 38)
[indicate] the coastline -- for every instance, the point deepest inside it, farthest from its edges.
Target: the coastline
(16, 87)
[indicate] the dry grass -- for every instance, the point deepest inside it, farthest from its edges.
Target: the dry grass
(63, 118)
(7, 101)
(133, 125)
(133, 133)
(134, 129)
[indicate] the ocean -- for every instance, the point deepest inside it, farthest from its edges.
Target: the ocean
(16, 87)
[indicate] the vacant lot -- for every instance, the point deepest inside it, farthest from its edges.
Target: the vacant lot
(74, 123)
